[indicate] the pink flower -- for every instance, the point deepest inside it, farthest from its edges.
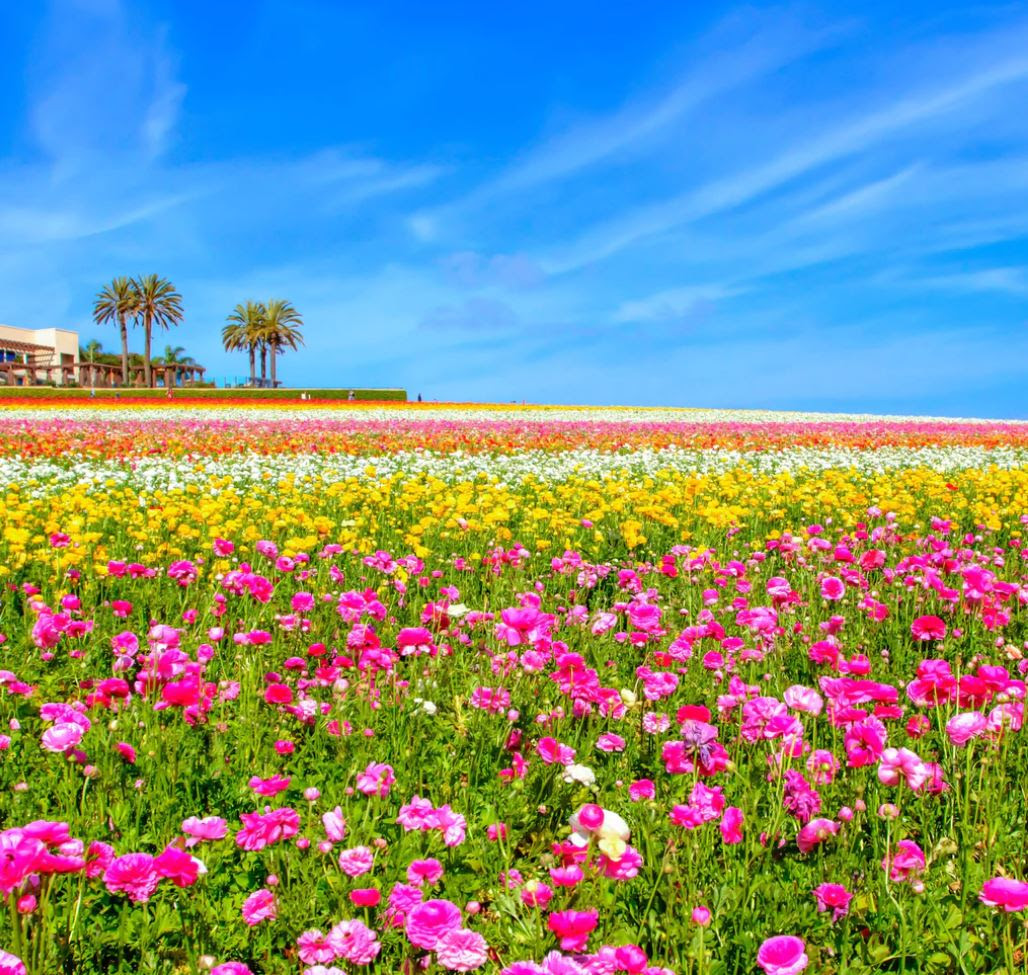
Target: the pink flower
(313, 948)
(701, 915)
(536, 894)
(356, 861)
(269, 787)
(553, 752)
(365, 897)
(833, 897)
(428, 922)
(262, 829)
(572, 928)
(832, 589)
(354, 942)
(905, 862)
(731, 825)
(376, 780)
(815, 832)
(177, 866)
(208, 828)
(62, 737)
(642, 789)
(335, 825)
(133, 874)
(231, 968)
(928, 628)
(461, 950)
(259, 906)
(610, 743)
(783, 954)
(11, 964)
(961, 728)
(1011, 895)
(901, 764)
(403, 898)
(424, 871)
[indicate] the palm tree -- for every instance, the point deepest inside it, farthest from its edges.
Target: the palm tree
(159, 304)
(281, 330)
(173, 357)
(243, 331)
(117, 302)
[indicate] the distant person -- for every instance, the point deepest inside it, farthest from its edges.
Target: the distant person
(419, 397)
(350, 396)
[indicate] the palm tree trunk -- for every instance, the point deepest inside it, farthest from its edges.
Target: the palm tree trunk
(253, 365)
(124, 351)
(274, 381)
(264, 364)
(147, 336)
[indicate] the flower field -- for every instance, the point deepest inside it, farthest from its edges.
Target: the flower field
(533, 691)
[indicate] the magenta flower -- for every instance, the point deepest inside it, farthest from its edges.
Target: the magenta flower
(461, 950)
(259, 906)
(572, 928)
(833, 897)
(133, 874)
(1011, 895)
(783, 954)
(429, 921)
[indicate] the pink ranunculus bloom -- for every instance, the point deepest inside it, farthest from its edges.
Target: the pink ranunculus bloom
(428, 871)
(427, 922)
(11, 964)
(313, 948)
(177, 866)
(356, 861)
(572, 928)
(928, 628)
(610, 742)
(901, 764)
(335, 825)
(553, 752)
(208, 828)
(832, 588)
(259, 906)
(815, 833)
(961, 728)
(62, 737)
(642, 789)
(231, 968)
(269, 787)
(731, 825)
(905, 862)
(461, 950)
(133, 874)
(833, 897)
(366, 897)
(355, 942)
(376, 780)
(536, 894)
(1011, 895)
(783, 954)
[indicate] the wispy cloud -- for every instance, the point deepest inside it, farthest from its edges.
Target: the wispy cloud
(854, 136)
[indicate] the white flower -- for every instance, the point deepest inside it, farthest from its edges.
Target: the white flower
(581, 774)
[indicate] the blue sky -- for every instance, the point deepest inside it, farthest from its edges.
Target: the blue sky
(817, 206)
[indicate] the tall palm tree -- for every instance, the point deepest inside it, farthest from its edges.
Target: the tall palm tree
(117, 302)
(159, 304)
(281, 330)
(243, 331)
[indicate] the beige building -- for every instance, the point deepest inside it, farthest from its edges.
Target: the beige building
(29, 356)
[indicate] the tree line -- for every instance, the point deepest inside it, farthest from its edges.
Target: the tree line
(263, 329)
